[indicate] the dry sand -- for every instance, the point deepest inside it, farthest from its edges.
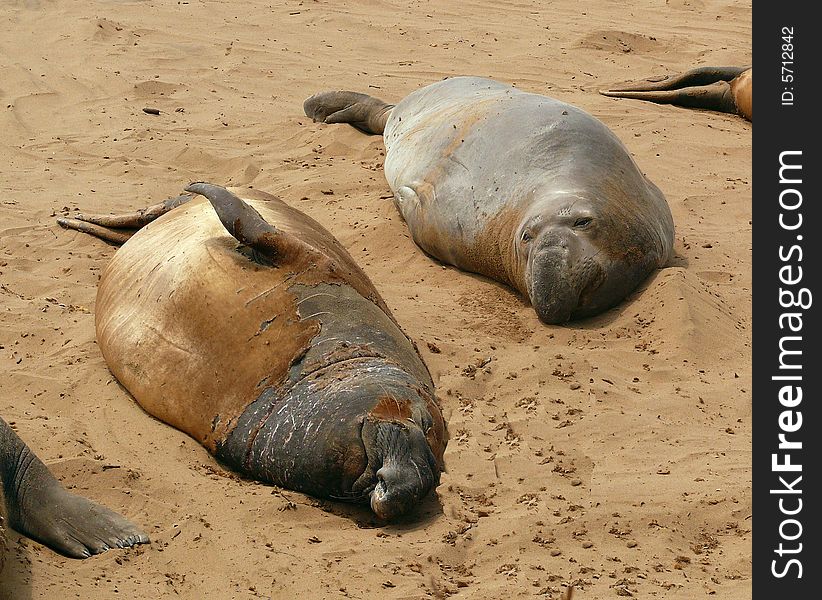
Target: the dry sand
(613, 453)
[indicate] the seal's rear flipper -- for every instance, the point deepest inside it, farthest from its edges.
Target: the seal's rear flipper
(39, 507)
(246, 225)
(366, 113)
(716, 96)
(694, 77)
(106, 226)
(705, 87)
(104, 233)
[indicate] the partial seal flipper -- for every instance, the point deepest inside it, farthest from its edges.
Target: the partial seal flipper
(366, 113)
(104, 233)
(247, 226)
(712, 88)
(694, 77)
(39, 507)
(117, 229)
(715, 96)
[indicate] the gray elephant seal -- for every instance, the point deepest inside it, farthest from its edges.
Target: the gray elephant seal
(38, 507)
(723, 89)
(255, 332)
(522, 188)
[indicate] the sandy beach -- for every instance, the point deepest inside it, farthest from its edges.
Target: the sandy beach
(612, 453)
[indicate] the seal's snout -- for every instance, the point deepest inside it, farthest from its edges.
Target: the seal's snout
(577, 281)
(400, 488)
(407, 473)
(549, 285)
(391, 496)
(565, 275)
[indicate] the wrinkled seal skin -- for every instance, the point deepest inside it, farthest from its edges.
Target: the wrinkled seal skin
(279, 356)
(522, 188)
(39, 507)
(723, 89)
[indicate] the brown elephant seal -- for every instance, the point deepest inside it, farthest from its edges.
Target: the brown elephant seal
(38, 507)
(270, 347)
(723, 89)
(522, 188)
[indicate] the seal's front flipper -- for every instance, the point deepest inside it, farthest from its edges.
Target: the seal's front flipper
(695, 77)
(246, 225)
(716, 96)
(39, 507)
(106, 226)
(366, 113)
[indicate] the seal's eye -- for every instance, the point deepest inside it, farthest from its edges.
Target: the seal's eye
(582, 222)
(526, 236)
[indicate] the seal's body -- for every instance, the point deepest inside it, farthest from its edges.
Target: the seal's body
(723, 89)
(276, 353)
(519, 187)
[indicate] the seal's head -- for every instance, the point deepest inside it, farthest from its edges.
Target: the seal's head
(402, 434)
(407, 468)
(580, 257)
(361, 429)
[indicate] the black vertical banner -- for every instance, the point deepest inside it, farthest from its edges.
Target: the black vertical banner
(787, 268)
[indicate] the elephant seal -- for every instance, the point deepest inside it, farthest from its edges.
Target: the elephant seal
(723, 89)
(258, 335)
(522, 188)
(38, 507)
